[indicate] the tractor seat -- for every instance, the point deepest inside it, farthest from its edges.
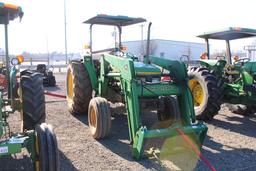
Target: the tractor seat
(142, 69)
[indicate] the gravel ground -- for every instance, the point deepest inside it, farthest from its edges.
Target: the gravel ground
(230, 143)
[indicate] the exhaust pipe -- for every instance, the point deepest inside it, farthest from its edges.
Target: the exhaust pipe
(148, 44)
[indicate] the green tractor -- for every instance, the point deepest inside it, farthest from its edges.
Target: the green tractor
(220, 80)
(118, 77)
(35, 136)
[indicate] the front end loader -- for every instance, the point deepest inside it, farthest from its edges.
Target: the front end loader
(220, 80)
(27, 97)
(118, 77)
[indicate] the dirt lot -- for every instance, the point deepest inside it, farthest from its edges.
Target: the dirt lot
(230, 143)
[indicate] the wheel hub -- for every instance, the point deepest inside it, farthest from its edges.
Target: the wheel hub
(92, 119)
(70, 81)
(197, 92)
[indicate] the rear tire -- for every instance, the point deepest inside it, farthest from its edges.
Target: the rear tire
(99, 118)
(32, 101)
(206, 93)
(79, 89)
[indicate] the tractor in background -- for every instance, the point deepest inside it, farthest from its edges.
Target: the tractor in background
(35, 136)
(48, 77)
(222, 79)
(93, 84)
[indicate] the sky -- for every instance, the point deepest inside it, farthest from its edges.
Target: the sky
(42, 27)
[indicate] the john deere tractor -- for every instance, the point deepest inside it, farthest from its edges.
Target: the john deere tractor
(222, 79)
(93, 85)
(35, 136)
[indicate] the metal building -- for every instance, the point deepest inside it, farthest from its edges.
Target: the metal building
(169, 49)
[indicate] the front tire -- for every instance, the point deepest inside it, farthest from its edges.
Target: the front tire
(32, 101)
(170, 109)
(99, 118)
(46, 149)
(206, 93)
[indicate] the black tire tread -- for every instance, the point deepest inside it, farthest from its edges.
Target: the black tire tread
(215, 96)
(103, 126)
(52, 81)
(82, 89)
(43, 149)
(48, 148)
(170, 110)
(33, 101)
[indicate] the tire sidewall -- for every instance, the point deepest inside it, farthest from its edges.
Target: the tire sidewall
(202, 82)
(69, 71)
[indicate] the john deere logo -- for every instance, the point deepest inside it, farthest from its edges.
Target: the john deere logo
(162, 88)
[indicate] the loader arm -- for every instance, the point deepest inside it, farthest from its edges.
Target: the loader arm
(134, 89)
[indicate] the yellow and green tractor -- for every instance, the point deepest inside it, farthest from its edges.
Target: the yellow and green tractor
(115, 77)
(28, 99)
(223, 79)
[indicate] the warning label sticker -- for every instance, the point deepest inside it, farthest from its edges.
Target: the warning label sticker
(3, 150)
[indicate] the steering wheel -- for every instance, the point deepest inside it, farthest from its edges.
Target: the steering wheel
(242, 61)
(185, 59)
(132, 56)
(220, 57)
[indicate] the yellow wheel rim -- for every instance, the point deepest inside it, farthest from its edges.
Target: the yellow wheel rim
(93, 119)
(197, 92)
(70, 82)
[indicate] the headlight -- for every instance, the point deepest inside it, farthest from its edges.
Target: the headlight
(14, 61)
(18, 60)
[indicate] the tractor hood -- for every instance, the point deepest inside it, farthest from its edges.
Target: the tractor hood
(142, 69)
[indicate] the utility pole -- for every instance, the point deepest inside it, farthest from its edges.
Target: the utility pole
(250, 49)
(48, 53)
(65, 30)
(142, 40)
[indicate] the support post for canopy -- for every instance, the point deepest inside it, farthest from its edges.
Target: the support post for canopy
(228, 52)
(7, 54)
(207, 47)
(120, 35)
(148, 44)
(91, 38)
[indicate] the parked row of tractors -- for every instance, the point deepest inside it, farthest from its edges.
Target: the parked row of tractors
(94, 85)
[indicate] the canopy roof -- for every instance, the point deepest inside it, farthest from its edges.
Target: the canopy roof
(118, 20)
(13, 11)
(230, 33)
